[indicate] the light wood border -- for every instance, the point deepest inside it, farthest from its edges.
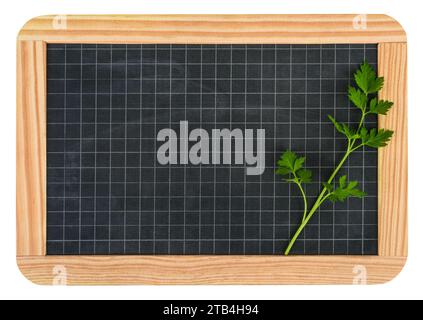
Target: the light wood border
(31, 148)
(210, 269)
(294, 29)
(290, 29)
(393, 159)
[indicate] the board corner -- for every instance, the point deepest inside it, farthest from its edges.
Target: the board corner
(398, 265)
(33, 25)
(23, 263)
(398, 26)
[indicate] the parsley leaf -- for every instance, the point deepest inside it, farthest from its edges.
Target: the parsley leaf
(291, 164)
(375, 138)
(304, 175)
(287, 161)
(343, 128)
(337, 125)
(357, 97)
(364, 97)
(380, 106)
(344, 190)
(367, 80)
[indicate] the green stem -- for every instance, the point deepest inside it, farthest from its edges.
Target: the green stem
(323, 196)
(357, 147)
(320, 199)
(304, 200)
(303, 224)
(363, 115)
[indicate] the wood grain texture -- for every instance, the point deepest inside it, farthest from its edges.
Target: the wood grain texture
(31, 148)
(393, 159)
(209, 269)
(289, 29)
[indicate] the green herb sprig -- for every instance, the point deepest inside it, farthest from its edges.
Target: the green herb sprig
(291, 167)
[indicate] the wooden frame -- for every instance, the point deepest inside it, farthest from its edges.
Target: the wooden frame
(289, 29)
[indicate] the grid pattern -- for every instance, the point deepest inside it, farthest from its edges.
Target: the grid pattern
(107, 194)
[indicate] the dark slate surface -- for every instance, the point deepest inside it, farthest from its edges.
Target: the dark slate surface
(107, 194)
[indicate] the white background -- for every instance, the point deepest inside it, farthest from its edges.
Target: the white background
(15, 13)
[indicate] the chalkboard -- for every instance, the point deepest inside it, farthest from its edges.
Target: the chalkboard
(110, 192)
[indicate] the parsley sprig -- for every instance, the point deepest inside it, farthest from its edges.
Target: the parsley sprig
(291, 166)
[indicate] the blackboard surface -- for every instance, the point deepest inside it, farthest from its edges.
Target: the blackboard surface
(107, 193)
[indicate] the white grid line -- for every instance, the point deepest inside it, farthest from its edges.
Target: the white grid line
(80, 158)
(214, 168)
(348, 160)
(320, 147)
(170, 172)
(230, 167)
(110, 164)
(155, 148)
(126, 142)
(290, 134)
(276, 158)
(140, 173)
(201, 165)
(64, 159)
(334, 156)
(120, 187)
(245, 123)
(261, 125)
(305, 144)
(363, 185)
